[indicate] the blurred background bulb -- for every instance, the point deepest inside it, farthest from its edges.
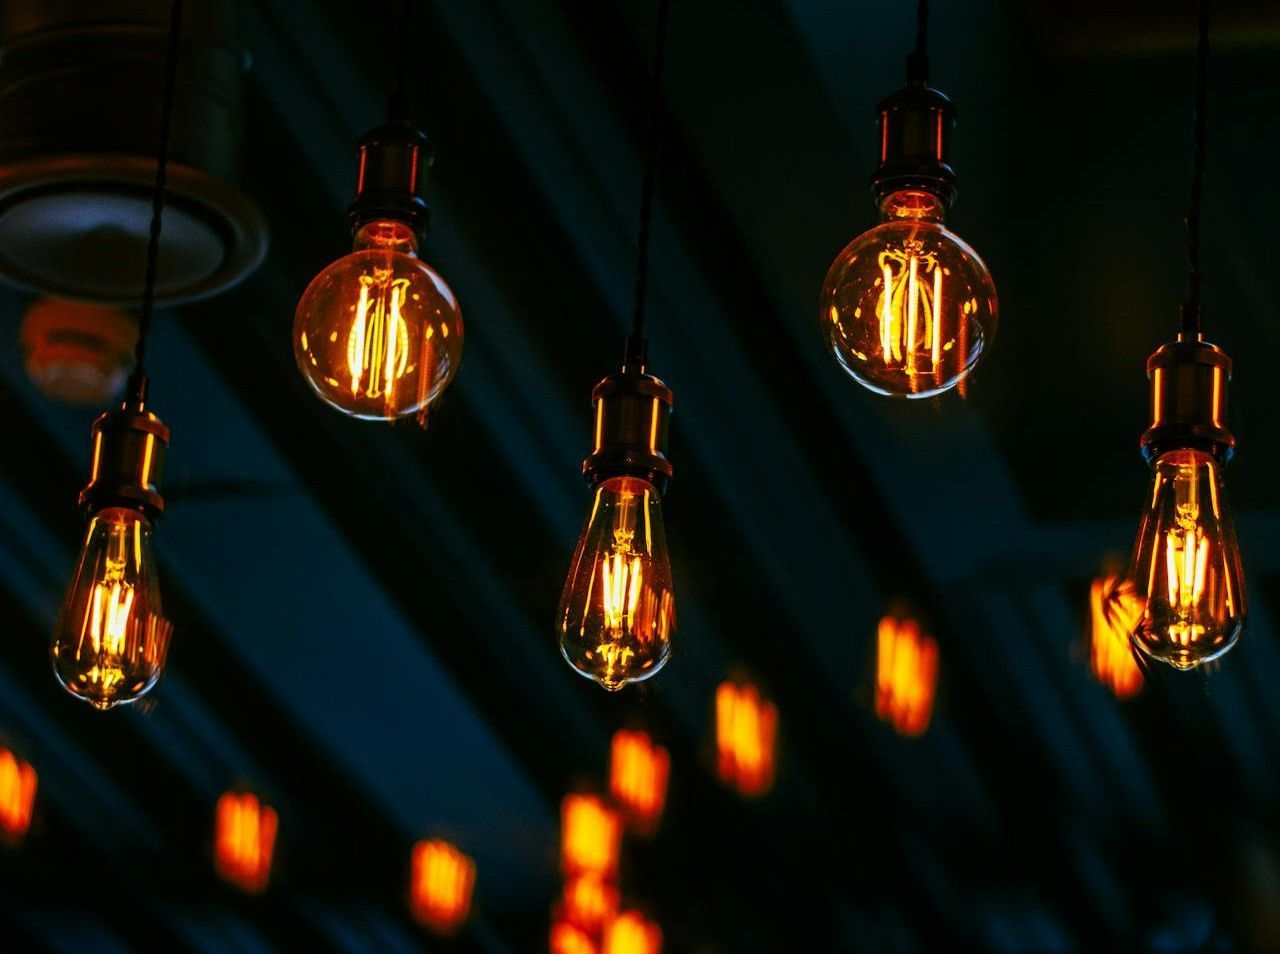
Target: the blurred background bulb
(1186, 565)
(378, 334)
(111, 637)
(617, 614)
(908, 307)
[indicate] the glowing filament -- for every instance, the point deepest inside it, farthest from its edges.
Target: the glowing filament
(1114, 612)
(906, 675)
(378, 343)
(590, 833)
(638, 778)
(1186, 554)
(117, 633)
(631, 933)
(910, 310)
(440, 890)
(622, 574)
(244, 841)
(745, 730)
(17, 796)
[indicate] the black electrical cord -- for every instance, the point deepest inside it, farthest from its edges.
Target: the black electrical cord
(636, 344)
(138, 378)
(400, 105)
(918, 60)
(1191, 324)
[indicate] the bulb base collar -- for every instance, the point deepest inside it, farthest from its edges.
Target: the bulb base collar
(391, 180)
(129, 447)
(632, 415)
(916, 123)
(1188, 401)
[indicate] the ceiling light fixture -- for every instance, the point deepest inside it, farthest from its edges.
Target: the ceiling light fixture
(908, 307)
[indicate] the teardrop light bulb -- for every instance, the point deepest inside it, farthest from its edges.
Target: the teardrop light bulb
(378, 334)
(617, 613)
(1186, 568)
(111, 637)
(908, 307)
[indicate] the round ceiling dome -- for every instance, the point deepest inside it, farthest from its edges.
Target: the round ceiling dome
(80, 88)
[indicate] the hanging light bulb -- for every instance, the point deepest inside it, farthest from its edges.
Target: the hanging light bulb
(111, 636)
(1186, 571)
(908, 307)
(378, 334)
(617, 613)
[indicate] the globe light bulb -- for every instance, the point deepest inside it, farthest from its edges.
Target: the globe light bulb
(111, 637)
(908, 307)
(617, 612)
(378, 334)
(1186, 571)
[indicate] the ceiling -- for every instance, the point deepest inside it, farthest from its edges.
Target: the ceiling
(363, 613)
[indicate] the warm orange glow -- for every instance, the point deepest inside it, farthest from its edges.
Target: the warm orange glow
(567, 939)
(440, 886)
(245, 840)
(17, 796)
(617, 612)
(1113, 615)
(111, 638)
(908, 307)
(745, 735)
(631, 933)
(378, 333)
(590, 834)
(1185, 574)
(906, 675)
(589, 903)
(638, 778)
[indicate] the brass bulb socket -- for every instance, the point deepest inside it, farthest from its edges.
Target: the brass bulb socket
(129, 447)
(916, 123)
(1188, 401)
(632, 419)
(391, 177)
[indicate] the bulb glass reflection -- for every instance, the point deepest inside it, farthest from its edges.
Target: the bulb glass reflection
(378, 334)
(1186, 571)
(617, 613)
(111, 637)
(908, 307)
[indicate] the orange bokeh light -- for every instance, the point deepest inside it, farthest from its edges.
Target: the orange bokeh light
(244, 841)
(590, 833)
(746, 726)
(631, 933)
(906, 675)
(441, 882)
(17, 796)
(589, 903)
(638, 778)
(567, 939)
(1113, 614)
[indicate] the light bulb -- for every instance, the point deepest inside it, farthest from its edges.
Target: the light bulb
(908, 307)
(111, 637)
(617, 613)
(378, 334)
(1186, 569)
